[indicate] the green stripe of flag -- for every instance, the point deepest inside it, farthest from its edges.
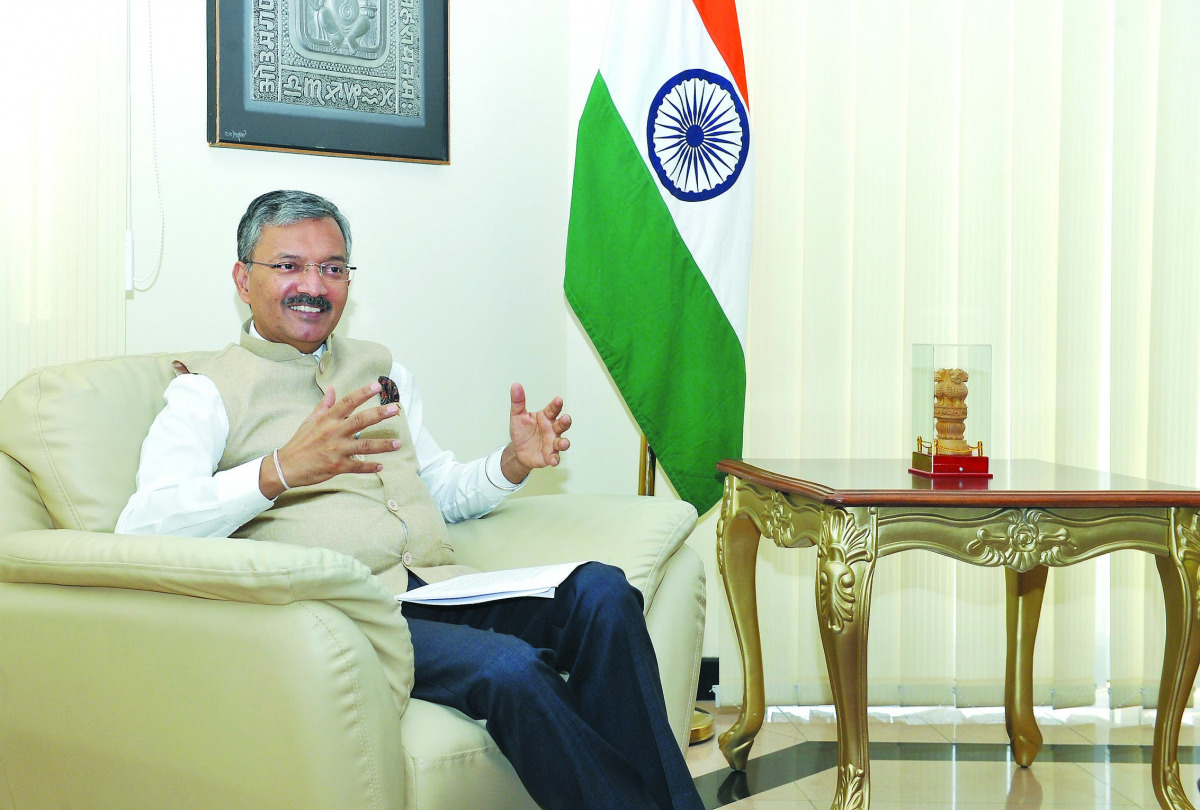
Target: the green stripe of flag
(648, 309)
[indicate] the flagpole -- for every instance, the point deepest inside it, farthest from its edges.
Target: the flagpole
(646, 467)
(702, 722)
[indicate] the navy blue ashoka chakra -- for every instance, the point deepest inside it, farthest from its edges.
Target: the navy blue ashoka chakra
(698, 135)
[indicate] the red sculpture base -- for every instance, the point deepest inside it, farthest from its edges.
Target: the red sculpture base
(947, 466)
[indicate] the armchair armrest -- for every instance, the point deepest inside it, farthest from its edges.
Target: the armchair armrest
(226, 569)
(636, 534)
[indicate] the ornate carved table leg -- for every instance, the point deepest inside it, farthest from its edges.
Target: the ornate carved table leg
(1024, 608)
(737, 555)
(1178, 573)
(845, 565)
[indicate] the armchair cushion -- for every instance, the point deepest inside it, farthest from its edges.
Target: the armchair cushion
(228, 569)
(78, 430)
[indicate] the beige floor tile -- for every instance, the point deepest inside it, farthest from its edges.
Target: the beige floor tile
(1129, 726)
(1101, 733)
(723, 717)
(887, 805)
(1134, 780)
(995, 733)
(931, 784)
(909, 785)
(755, 803)
(1104, 733)
(762, 803)
(786, 728)
(775, 735)
(983, 733)
(814, 724)
(821, 725)
(706, 757)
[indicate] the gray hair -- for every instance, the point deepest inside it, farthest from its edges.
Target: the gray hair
(285, 208)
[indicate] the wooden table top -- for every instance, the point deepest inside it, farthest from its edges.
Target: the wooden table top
(1017, 482)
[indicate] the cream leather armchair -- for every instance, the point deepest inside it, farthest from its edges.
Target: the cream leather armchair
(168, 672)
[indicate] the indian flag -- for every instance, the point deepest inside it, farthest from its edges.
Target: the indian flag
(658, 247)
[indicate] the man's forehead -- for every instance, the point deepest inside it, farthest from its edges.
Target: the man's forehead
(304, 233)
(302, 224)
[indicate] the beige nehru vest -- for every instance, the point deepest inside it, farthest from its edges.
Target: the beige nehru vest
(387, 520)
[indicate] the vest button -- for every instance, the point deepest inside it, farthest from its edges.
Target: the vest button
(406, 558)
(392, 505)
(321, 364)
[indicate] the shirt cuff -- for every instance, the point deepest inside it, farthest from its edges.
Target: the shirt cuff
(495, 473)
(239, 488)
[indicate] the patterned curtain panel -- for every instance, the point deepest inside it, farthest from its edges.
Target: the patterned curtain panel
(62, 157)
(1021, 173)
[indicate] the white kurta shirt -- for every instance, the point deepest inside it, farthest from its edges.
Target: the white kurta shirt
(179, 490)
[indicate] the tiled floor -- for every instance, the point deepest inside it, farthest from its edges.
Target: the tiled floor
(938, 759)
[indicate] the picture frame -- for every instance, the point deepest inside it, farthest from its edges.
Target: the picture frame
(352, 78)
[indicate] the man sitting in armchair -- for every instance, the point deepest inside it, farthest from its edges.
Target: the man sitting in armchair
(257, 443)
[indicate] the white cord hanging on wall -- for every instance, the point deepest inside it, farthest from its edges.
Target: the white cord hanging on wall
(128, 148)
(132, 282)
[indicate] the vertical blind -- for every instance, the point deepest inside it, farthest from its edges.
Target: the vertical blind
(63, 216)
(1021, 173)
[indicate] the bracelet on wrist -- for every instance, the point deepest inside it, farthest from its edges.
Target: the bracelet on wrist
(279, 470)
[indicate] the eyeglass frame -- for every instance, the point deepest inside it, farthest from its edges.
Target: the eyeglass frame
(277, 267)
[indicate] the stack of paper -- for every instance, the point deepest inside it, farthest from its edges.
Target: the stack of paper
(489, 586)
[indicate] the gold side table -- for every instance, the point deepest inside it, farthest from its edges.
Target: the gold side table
(1031, 516)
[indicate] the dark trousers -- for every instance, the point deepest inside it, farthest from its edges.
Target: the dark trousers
(599, 739)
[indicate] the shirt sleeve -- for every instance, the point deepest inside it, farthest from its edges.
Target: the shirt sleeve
(178, 488)
(462, 490)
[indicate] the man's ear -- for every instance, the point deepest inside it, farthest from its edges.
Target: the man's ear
(241, 278)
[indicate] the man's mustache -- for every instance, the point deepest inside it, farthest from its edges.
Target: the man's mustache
(304, 299)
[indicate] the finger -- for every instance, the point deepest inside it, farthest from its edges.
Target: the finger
(562, 444)
(324, 405)
(562, 424)
(516, 396)
(371, 447)
(358, 396)
(554, 408)
(356, 466)
(370, 416)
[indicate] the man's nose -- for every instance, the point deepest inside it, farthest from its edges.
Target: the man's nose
(312, 282)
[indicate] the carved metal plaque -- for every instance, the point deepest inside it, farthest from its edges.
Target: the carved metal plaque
(356, 77)
(358, 55)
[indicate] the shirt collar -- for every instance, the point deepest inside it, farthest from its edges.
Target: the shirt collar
(320, 350)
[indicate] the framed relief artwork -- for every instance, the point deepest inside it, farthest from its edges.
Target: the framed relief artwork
(358, 78)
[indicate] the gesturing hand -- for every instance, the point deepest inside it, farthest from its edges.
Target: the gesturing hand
(536, 438)
(325, 444)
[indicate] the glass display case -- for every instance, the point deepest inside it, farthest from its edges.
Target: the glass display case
(951, 410)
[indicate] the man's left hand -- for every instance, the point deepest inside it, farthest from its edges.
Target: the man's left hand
(536, 438)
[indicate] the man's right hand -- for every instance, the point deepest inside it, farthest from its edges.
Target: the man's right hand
(325, 445)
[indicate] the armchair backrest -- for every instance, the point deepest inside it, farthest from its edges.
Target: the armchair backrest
(75, 433)
(70, 444)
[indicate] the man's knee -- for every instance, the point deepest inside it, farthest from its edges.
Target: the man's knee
(606, 588)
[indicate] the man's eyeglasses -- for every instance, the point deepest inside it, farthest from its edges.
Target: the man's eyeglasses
(330, 271)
